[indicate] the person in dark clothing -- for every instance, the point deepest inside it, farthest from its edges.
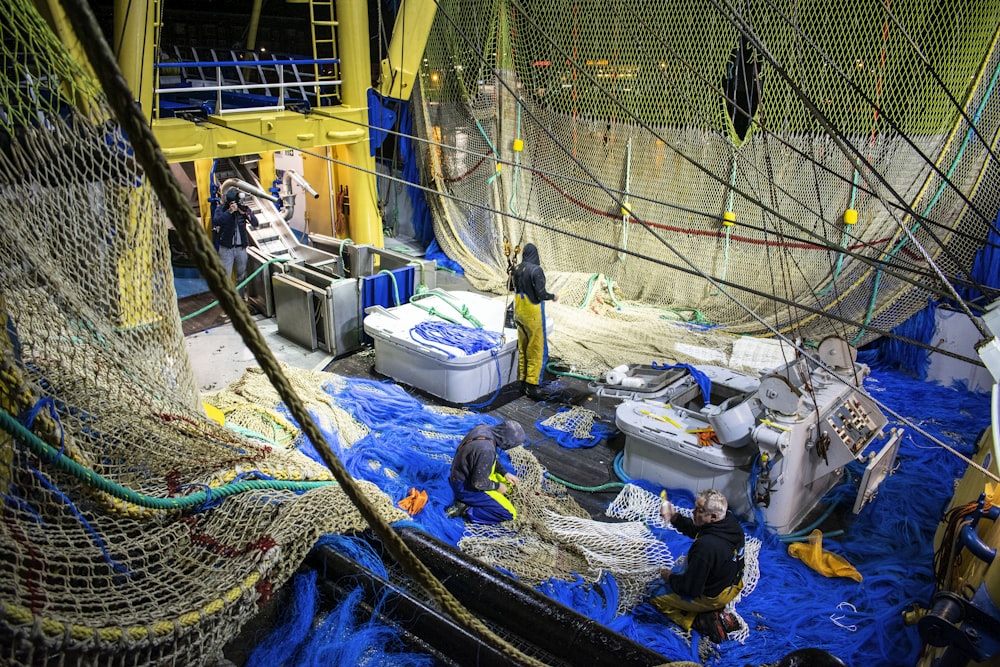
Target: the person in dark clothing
(530, 296)
(478, 479)
(712, 575)
(229, 223)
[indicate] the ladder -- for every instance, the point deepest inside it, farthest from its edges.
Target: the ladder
(324, 42)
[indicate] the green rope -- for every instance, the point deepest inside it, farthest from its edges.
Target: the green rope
(395, 287)
(240, 286)
(421, 286)
(729, 228)
(698, 317)
(589, 489)
(50, 455)
(611, 291)
(340, 251)
(462, 309)
(517, 164)
(253, 434)
(944, 183)
(590, 290)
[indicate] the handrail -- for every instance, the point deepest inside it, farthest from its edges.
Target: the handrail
(243, 86)
(248, 63)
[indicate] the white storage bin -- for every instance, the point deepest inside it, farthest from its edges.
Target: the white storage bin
(436, 368)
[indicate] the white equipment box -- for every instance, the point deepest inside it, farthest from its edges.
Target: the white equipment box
(440, 369)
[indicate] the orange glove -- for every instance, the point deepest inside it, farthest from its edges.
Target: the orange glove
(707, 438)
(413, 502)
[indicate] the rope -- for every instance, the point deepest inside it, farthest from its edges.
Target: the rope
(50, 455)
(467, 339)
(688, 268)
(395, 287)
(156, 169)
(459, 307)
(588, 489)
(552, 367)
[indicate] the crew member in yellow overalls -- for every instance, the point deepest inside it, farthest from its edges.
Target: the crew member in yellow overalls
(529, 313)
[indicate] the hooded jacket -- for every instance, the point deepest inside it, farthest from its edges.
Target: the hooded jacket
(715, 559)
(476, 455)
(529, 278)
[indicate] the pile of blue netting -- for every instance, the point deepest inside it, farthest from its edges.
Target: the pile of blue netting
(346, 635)
(890, 542)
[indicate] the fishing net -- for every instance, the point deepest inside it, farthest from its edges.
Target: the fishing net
(804, 156)
(136, 530)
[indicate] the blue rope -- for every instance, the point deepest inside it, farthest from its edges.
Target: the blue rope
(703, 380)
(98, 540)
(496, 392)
(410, 446)
(468, 340)
(29, 418)
(599, 431)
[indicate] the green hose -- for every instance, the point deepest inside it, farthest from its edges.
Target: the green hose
(50, 455)
(550, 368)
(589, 489)
(245, 281)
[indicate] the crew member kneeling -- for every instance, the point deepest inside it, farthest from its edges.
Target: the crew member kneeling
(713, 572)
(478, 479)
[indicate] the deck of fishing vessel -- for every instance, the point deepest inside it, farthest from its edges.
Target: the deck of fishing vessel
(219, 357)
(784, 213)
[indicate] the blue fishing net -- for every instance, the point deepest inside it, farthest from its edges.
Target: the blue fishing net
(890, 542)
(346, 635)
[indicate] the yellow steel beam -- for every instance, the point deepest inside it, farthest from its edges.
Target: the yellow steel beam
(406, 49)
(134, 45)
(365, 222)
(236, 134)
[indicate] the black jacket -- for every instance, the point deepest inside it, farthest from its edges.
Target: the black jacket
(529, 278)
(715, 559)
(226, 225)
(475, 458)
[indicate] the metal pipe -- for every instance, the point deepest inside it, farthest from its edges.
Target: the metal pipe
(288, 198)
(291, 174)
(249, 188)
(969, 537)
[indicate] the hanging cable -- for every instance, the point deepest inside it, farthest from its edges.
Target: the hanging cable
(684, 269)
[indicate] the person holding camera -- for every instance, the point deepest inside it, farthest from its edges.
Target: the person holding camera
(229, 224)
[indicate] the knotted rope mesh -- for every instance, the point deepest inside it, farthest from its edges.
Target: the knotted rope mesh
(607, 136)
(117, 545)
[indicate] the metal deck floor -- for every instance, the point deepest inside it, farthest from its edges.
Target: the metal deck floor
(219, 357)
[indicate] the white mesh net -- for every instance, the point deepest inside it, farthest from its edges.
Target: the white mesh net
(567, 125)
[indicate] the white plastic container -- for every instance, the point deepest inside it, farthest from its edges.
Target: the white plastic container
(660, 448)
(443, 370)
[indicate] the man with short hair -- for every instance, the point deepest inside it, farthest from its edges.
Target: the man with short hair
(712, 575)
(478, 479)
